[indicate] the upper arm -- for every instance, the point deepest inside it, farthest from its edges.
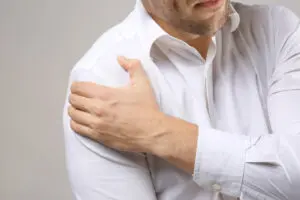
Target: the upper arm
(284, 82)
(97, 172)
(279, 180)
(264, 165)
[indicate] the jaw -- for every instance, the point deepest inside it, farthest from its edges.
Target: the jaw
(205, 25)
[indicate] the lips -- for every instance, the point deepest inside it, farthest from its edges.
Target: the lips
(206, 3)
(200, 2)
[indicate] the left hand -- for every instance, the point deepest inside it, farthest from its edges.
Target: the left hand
(124, 118)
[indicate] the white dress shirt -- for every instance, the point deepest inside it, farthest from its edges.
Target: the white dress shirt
(245, 98)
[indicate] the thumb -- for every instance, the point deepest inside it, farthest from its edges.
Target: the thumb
(134, 68)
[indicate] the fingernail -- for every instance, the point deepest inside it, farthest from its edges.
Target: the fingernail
(122, 58)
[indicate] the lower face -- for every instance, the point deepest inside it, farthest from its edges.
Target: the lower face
(201, 17)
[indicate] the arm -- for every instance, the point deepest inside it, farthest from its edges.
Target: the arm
(260, 167)
(99, 173)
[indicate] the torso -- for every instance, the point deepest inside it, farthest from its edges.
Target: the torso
(238, 107)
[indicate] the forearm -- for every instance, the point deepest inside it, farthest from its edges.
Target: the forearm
(177, 143)
(223, 155)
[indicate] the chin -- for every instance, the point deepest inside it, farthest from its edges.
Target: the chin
(216, 22)
(204, 25)
(210, 23)
(208, 27)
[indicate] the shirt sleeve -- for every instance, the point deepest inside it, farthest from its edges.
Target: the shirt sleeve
(100, 173)
(265, 166)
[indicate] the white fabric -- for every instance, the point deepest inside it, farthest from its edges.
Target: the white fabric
(245, 98)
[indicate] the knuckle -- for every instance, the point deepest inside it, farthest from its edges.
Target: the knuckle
(136, 62)
(74, 100)
(92, 133)
(113, 103)
(96, 124)
(99, 111)
(105, 93)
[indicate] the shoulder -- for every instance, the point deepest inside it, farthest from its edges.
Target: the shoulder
(264, 29)
(100, 61)
(269, 28)
(267, 17)
(267, 32)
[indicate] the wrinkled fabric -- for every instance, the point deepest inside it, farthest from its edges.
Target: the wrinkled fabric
(245, 98)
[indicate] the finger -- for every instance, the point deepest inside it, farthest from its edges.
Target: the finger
(93, 106)
(82, 130)
(90, 90)
(124, 62)
(134, 68)
(80, 102)
(85, 104)
(83, 118)
(86, 89)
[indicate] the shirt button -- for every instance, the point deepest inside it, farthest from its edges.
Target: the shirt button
(216, 187)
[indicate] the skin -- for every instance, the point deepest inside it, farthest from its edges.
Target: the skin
(113, 117)
(185, 21)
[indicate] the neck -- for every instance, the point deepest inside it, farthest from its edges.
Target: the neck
(200, 43)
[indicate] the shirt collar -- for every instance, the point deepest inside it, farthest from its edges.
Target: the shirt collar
(151, 31)
(234, 18)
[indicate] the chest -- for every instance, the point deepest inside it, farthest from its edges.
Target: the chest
(227, 97)
(226, 94)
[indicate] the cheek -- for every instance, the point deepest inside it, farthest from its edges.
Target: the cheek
(176, 6)
(169, 6)
(171, 10)
(224, 11)
(168, 10)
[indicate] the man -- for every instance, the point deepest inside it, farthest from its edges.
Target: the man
(210, 108)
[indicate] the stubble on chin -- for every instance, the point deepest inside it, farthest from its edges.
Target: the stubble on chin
(207, 27)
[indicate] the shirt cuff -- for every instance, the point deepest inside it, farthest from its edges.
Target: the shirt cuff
(220, 161)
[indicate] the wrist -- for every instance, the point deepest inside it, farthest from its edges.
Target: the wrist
(164, 136)
(176, 142)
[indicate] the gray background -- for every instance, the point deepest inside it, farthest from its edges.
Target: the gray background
(40, 41)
